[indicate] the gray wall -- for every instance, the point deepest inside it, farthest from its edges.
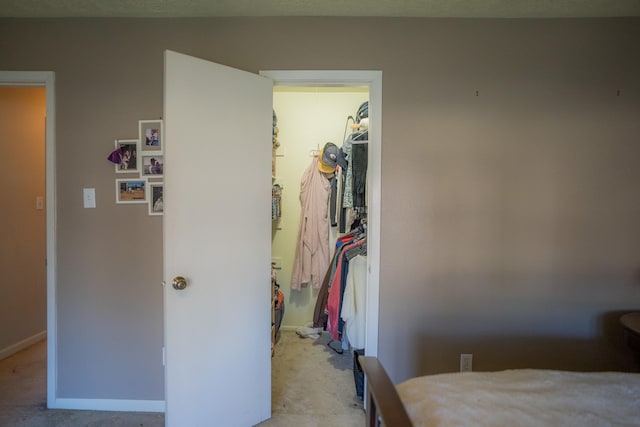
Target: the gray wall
(510, 219)
(23, 310)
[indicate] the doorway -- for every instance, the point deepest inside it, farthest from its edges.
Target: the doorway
(213, 90)
(44, 205)
(307, 118)
(371, 81)
(312, 373)
(22, 220)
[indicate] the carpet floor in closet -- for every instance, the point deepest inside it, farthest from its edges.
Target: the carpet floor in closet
(313, 386)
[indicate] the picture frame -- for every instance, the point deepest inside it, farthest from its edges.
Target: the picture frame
(132, 190)
(152, 166)
(151, 136)
(156, 199)
(130, 149)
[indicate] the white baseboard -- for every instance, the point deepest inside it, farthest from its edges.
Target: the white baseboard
(21, 345)
(110, 405)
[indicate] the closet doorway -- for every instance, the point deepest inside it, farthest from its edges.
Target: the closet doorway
(313, 108)
(318, 87)
(307, 118)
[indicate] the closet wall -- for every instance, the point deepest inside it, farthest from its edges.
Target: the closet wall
(307, 119)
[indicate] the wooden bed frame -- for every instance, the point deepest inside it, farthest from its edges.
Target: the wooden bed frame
(382, 400)
(608, 396)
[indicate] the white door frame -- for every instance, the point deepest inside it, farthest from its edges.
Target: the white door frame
(373, 80)
(47, 80)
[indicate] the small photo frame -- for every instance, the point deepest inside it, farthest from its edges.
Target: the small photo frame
(130, 161)
(151, 135)
(152, 166)
(156, 200)
(131, 191)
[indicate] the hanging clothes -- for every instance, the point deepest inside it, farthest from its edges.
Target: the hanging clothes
(347, 147)
(312, 249)
(320, 309)
(354, 301)
(319, 312)
(337, 287)
(359, 163)
(333, 201)
(354, 150)
(276, 202)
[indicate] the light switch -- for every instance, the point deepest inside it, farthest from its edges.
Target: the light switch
(89, 197)
(39, 203)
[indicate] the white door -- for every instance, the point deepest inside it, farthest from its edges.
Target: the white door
(217, 235)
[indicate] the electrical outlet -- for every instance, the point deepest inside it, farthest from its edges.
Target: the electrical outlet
(466, 362)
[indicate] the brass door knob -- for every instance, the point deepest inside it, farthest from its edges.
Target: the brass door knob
(179, 283)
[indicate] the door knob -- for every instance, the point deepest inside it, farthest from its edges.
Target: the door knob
(179, 283)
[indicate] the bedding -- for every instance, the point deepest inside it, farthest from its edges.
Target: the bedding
(525, 397)
(520, 397)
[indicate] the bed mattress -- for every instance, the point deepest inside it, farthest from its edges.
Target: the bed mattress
(523, 397)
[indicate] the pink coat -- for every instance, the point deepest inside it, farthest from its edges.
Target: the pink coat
(312, 250)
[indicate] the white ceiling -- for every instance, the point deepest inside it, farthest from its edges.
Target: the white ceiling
(391, 8)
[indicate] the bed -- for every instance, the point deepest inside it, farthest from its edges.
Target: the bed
(518, 397)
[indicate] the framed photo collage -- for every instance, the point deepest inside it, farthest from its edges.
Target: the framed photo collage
(145, 158)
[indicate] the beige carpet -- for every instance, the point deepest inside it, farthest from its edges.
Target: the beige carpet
(312, 386)
(23, 398)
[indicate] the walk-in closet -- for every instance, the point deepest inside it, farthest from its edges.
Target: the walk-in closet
(320, 136)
